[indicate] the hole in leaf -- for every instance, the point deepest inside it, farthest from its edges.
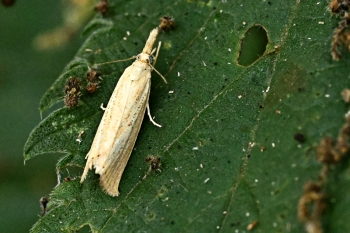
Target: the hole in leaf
(253, 45)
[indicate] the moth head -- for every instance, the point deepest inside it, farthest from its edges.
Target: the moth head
(144, 57)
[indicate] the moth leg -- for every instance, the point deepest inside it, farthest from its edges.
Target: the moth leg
(150, 117)
(103, 108)
(155, 58)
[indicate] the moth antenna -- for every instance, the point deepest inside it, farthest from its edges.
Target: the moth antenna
(155, 58)
(109, 62)
(158, 73)
(153, 51)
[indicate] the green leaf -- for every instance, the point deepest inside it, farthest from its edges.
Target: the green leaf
(226, 146)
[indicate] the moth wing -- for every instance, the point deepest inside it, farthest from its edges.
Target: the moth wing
(127, 134)
(101, 144)
(111, 148)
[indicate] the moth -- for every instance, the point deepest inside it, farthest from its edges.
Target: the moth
(121, 121)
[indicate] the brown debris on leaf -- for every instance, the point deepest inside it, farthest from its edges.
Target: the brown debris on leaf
(346, 95)
(72, 91)
(92, 77)
(43, 204)
(336, 6)
(341, 35)
(154, 163)
(329, 151)
(311, 206)
(167, 23)
(326, 152)
(252, 225)
(102, 6)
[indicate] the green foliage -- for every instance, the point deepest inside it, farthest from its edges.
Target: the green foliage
(215, 174)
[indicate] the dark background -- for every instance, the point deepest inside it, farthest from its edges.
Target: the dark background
(25, 74)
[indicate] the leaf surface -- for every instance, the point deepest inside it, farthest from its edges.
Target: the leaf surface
(226, 146)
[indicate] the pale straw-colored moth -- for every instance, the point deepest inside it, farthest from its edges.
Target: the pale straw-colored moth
(121, 121)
